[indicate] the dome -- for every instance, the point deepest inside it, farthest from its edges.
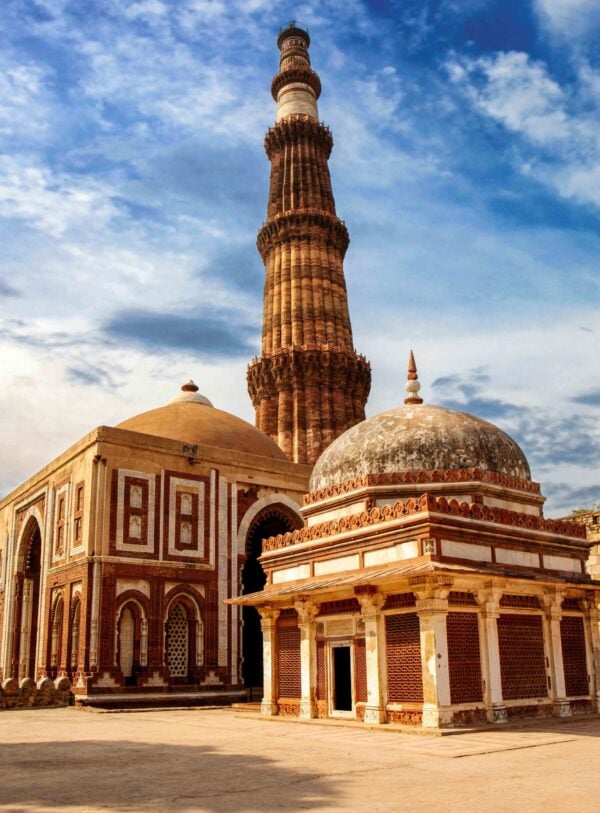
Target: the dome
(418, 437)
(191, 418)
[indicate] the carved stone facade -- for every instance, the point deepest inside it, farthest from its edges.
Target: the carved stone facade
(309, 385)
(429, 597)
(118, 556)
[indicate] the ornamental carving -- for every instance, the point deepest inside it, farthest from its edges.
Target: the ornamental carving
(467, 475)
(426, 503)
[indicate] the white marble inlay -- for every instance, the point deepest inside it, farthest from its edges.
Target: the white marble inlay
(523, 558)
(393, 553)
(290, 574)
(562, 563)
(466, 550)
(148, 545)
(197, 488)
(337, 565)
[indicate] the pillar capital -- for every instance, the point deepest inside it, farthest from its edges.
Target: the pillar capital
(552, 603)
(268, 615)
(371, 601)
(307, 609)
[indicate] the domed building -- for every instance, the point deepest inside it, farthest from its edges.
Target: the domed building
(426, 587)
(119, 556)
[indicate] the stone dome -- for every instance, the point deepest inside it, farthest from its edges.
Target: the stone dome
(191, 418)
(418, 437)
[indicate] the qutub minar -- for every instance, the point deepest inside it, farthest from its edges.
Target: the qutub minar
(397, 569)
(309, 385)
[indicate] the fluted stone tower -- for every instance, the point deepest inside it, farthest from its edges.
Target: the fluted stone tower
(309, 385)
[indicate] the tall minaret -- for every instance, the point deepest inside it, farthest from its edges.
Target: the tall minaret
(309, 385)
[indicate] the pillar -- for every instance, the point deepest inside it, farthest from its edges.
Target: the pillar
(432, 614)
(553, 611)
(268, 621)
(490, 656)
(307, 612)
(371, 604)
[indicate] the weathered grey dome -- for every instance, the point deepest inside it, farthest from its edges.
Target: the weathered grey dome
(418, 437)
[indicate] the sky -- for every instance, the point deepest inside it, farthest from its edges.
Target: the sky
(466, 166)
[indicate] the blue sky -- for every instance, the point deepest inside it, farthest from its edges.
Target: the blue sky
(466, 165)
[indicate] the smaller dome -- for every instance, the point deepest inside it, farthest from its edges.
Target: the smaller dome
(418, 437)
(191, 418)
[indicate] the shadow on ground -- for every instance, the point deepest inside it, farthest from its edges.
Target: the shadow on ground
(121, 775)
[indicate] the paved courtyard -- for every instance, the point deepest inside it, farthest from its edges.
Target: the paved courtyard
(219, 760)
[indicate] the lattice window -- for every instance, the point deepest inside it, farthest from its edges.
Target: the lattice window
(571, 604)
(177, 642)
(403, 649)
(349, 605)
(464, 658)
(360, 670)
(288, 661)
(458, 597)
(522, 658)
(399, 600)
(572, 637)
(321, 671)
(520, 602)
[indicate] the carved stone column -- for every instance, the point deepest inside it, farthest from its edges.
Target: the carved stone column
(307, 612)
(370, 605)
(268, 620)
(489, 601)
(432, 614)
(553, 610)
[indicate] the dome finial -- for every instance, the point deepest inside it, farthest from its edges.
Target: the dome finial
(190, 387)
(412, 385)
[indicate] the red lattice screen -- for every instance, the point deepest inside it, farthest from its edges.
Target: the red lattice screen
(396, 600)
(348, 605)
(288, 661)
(403, 650)
(360, 670)
(464, 659)
(458, 597)
(572, 637)
(321, 671)
(522, 659)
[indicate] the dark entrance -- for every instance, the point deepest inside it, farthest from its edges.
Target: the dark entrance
(342, 678)
(31, 573)
(272, 522)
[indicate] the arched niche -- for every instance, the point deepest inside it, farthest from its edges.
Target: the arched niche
(26, 631)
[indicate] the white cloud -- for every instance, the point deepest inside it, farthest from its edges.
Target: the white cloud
(52, 203)
(569, 18)
(560, 123)
(25, 101)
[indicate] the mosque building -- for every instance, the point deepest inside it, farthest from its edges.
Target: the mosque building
(396, 569)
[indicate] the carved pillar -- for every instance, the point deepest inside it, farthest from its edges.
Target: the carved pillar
(370, 605)
(490, 655)
(432, 614)
(553, 611)
(16, 631)
(307, 612)
(268, 620)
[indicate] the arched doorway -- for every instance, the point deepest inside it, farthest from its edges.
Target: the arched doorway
(73, 658)
(272, 521)
(27, 602)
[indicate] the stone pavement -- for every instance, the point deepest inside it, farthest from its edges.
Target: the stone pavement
(217, 760)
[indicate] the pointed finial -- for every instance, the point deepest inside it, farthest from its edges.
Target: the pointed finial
(412, 385)
(190, 387)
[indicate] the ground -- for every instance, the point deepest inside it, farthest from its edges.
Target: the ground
(220, 760)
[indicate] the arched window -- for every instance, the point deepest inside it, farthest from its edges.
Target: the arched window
(56, 635)
(74, 636)
(126, 643)
(178, 642)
